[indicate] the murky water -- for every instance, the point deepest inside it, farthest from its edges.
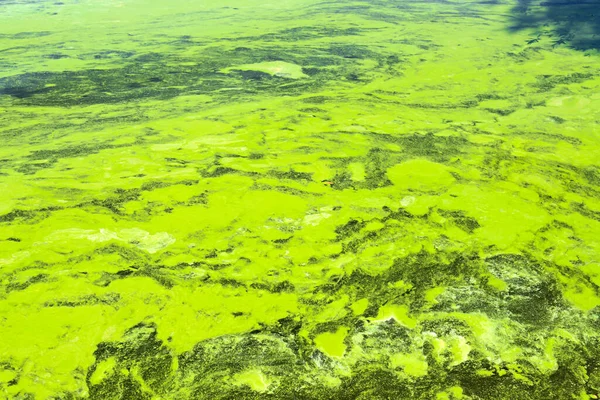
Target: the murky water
(299, 199)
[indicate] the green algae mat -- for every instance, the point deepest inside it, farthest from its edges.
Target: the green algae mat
(299, 199)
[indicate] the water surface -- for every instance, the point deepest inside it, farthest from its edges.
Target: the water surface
(299, 199)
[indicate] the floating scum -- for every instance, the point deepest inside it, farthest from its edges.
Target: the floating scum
(300, 199)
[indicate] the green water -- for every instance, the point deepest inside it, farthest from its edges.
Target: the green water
(299, 199)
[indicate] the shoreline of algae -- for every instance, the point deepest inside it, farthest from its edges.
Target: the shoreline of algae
(165, 231)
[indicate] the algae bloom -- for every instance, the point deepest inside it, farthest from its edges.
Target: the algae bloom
(300, 199)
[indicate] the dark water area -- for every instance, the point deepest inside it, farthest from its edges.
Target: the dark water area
(574, 23)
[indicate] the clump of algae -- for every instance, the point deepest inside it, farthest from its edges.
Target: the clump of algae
(275, 68)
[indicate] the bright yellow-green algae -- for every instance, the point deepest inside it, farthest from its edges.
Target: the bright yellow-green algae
(353, 200)
(274, 68)
(332, 344)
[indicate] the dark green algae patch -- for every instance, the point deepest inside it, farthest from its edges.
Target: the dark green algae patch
(309, 200)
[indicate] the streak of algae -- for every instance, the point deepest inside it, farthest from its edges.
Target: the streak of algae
(255, 379)
(165, 232)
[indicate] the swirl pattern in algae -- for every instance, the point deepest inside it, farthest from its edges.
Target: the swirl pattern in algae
(299, 200)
